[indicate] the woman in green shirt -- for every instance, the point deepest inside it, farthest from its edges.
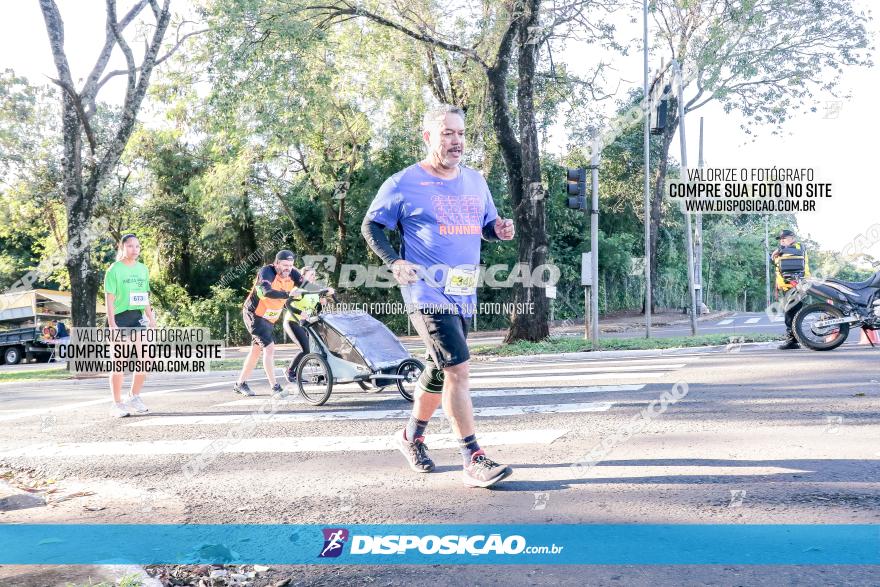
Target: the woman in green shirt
(127, 296)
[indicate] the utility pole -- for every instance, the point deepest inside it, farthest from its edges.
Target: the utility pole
(684, 177)
(767, 259)
(698, 238)
(594, 243)
(647, 196)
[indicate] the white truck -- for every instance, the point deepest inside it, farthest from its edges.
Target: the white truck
(28, 322)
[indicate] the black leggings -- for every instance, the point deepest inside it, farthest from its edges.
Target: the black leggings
(294, 330)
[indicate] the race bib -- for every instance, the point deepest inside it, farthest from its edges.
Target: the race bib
(138, 298)
(272, 314)
(461, 282)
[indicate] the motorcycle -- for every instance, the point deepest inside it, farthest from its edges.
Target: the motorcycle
(825, 325)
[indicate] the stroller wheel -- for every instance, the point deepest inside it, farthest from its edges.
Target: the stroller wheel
(314, 379)
(411, 369)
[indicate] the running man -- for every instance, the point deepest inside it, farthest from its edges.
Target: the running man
(443, 210)
(263, 307)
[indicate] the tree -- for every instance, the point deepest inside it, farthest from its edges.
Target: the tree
(90, 158)
(500, 35)
(764, 58)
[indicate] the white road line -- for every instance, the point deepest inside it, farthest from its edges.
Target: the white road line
(554, 390)
(603, 471)
(538, 362)
(284, 444)
(509, 392)
(343, 415)
(483, 382)
(574, 370)
(294, 400)
(106, 400)
(723, 322)
(753, 320)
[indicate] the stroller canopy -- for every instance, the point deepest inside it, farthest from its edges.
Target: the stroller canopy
(368, 337)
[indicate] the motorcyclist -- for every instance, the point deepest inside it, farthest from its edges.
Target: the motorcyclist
(792, 265)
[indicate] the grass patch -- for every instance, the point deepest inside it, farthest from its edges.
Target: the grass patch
(236, 364)
(578, 345)
(36, 374)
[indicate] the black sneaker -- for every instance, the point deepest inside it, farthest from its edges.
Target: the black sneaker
(484, 472)
(416, 453)
(279, 392)
(789, 344)
(243, 389)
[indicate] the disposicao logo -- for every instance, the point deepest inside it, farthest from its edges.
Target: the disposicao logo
(442, 545)
(334, 540)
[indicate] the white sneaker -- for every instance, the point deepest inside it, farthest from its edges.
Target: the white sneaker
(137, 405)
(119, 410)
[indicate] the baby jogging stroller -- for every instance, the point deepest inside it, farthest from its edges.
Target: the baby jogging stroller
(353, 348)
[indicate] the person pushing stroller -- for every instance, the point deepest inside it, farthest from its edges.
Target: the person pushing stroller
(273, 286)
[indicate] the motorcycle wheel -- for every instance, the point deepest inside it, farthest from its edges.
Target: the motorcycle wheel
(819, 339)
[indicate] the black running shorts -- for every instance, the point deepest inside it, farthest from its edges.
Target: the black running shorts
(445, 335)
(260, 329)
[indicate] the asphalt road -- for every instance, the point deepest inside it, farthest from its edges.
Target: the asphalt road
(762, 436)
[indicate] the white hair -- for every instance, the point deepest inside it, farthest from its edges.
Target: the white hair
(434, 116)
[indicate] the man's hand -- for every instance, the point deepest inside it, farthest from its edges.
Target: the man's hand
(404, 272)
(504, 228)
(774, 254)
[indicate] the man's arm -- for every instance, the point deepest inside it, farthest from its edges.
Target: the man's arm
(264, 286)
(489, 233)
(374, 234)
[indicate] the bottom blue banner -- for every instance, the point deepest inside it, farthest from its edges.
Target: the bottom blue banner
(439, 544)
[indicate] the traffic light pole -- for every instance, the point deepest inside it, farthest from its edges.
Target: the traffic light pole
(688, 228)
(647, 148)
(594, 246)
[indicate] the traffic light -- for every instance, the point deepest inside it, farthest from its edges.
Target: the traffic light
(659, 109)
(576, 185)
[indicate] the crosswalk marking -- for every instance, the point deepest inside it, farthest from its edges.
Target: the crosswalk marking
(519, 381)
(575, 371)
(343, 415)
(285, 444)
(295, 400)
(104, 400)
(753, 320)
(724, 322)
(612, 471)
(508, 392)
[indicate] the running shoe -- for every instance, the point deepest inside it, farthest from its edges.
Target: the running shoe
(119, 410)
(416, 452)
(243, 389)
(137, 405)
(279, 392)
(484, 472)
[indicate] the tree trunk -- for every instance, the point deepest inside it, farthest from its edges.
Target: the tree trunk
(528, 203)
